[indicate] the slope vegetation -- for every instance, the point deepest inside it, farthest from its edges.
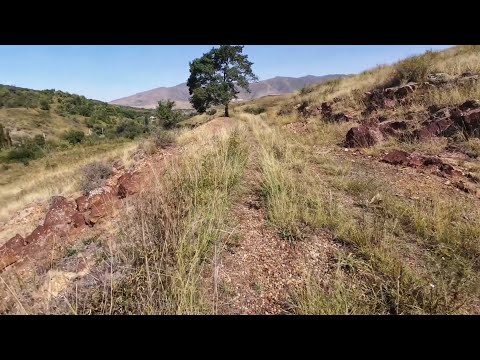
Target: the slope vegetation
(357, 196)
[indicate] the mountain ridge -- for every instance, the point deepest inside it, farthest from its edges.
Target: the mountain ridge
(277, 85)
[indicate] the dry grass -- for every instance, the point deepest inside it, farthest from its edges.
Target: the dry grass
(396, 255)
(349, 90)
(59, 173)
(172, 233)
(30, 122)
(375, 273)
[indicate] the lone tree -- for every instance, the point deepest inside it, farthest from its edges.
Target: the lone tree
(216, 77)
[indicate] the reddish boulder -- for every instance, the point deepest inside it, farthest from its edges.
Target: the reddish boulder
(470, 122)
(78, 220)
(436, 128)
(82, 203)
(101, 204)
(59, 214)
(39, 233)
(393, 128)
(128, 184)
(401, 91)
(389, 103)
(15, 242)
(363, 136)
(415, 160)
(470, 104)
(7, 258)
(396, 157)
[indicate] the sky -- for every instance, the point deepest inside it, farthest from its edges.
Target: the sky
(108, 72)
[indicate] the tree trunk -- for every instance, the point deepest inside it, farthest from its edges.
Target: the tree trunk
(226, 110)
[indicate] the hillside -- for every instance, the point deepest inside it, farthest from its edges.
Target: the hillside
(360, 195)
(179, 93)
(26, 113)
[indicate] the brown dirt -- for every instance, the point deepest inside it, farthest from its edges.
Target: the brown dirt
(258, 275)
(259, 270)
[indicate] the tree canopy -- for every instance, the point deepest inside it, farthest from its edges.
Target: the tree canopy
(215, 78)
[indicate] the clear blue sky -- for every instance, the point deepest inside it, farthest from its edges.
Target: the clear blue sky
(108, 72)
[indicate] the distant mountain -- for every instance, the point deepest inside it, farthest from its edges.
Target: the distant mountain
(179, 93)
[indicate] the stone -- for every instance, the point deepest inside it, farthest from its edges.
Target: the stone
(363, 136)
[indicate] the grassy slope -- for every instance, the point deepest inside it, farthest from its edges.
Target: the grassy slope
(31, 122)
(58, 173)
(406, 245)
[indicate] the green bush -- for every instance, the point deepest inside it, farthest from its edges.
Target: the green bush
(413, 69)
(167, 115)
(44, 105)
(39, 140)
(129, 129)
(306, 89)
(211, 112)
(25, 153)
(75, 137)
(255, 111)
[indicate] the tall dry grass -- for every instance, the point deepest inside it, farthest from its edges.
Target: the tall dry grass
(375, 273)
(59, 173)
(173, 232)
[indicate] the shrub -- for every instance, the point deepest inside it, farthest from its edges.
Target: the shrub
(306, 89)
(163, 139)
(3, 138)
(39, 140)
(129, 129)
(167, 115)
(412, 69)
(44, 105)
(255, 111)
(75, 137)
(95, 175)
(211, 112)
(23, 154)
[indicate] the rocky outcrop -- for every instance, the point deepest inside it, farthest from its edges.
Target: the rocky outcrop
(415, 160)
(363, 136)
(128, 184)
(64, 217)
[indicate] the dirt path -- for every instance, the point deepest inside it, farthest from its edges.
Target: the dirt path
(259, 270)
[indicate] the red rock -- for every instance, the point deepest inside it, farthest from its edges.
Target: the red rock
(363, 136)
(393, 128)
(78, 220)
(415, 160)
(470, 104)
(59, 213)
(389, 103)
(396, 157)
(101, 204)
(82, 203)
(7, 259)
(39, 233)
(128, 184)
(15, 242)
(435, 128)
